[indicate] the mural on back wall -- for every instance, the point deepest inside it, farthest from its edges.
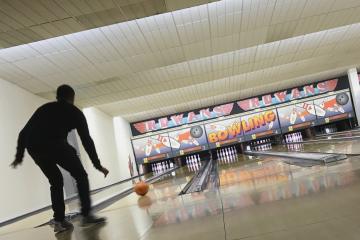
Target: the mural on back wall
(153, 148)
(189, 140)
(300, 114)
(237, 107)
(337, 104)
(260, 124)
(224, 132)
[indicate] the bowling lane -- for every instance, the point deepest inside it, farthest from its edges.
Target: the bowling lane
(71, 206)
(168, 185)
(351, 133)
(344, 147)
(136, 217)
(269, 199)
(163, 214)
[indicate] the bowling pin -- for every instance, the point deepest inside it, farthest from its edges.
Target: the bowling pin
(163, 166)
(271, 125)
(148, 148)
(158, 167)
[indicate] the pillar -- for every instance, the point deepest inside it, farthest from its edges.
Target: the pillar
(355, 91)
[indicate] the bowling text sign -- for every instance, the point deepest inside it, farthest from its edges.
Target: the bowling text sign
(224, 132)
(260, 124)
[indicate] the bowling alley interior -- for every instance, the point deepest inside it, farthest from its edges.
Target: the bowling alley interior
(180, 119)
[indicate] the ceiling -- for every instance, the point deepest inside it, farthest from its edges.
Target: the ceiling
(189, 58)
(26, 21)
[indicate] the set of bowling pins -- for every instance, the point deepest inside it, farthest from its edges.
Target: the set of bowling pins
(296, 147)
(161, 167)
(330, 130)
(227, 155)
(293, 137)
(261, 145)
(193, 163)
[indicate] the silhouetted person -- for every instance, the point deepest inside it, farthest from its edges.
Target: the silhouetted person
(45, 138)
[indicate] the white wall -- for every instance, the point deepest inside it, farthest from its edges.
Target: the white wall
(102, 131)
(24, 189)
(124, 147)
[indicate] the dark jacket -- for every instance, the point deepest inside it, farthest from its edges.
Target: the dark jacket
(49, 126)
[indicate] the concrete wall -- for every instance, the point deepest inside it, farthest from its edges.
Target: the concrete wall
(24, 189)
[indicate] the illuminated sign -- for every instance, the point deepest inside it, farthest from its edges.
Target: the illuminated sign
(188, 140)
(224, 132)
(260, 124)
(152, 148)
(241, 106)
(181, 119)
(297, 116)
(288, 95)
(334, 107)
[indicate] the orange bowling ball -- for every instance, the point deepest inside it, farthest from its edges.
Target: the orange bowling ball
(141, 188)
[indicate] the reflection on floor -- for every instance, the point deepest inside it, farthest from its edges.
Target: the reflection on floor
(257, 199)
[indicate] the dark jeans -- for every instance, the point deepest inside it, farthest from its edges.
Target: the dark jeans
(47, 158)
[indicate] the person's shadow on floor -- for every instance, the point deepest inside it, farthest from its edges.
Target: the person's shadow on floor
(86, 233)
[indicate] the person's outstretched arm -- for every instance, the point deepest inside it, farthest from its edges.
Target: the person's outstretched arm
(22, 140)
(88, 143)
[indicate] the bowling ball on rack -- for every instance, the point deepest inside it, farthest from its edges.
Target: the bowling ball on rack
(141, 188)
(196, 131)
(342, 98)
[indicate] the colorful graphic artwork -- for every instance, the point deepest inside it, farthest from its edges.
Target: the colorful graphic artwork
(153, 148)
(288, 95)
(236, 107)
(183, 118)
(260, 124)
(188, 140)
(296, 116)
(224, 132)
(338, 104)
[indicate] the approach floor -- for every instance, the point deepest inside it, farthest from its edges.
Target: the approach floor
(258, 198)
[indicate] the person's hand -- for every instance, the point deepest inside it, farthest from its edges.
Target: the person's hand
(15, 163)
(104, 171)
